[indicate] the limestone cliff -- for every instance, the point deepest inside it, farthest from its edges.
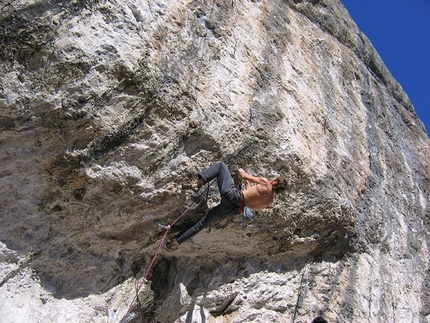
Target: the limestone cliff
(107, 106)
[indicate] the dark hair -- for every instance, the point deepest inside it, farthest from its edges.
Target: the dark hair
(281, 184)
(319, 319)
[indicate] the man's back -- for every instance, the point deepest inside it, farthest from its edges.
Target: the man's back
(259, 196)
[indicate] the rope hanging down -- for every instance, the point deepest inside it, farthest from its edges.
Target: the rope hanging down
(168, 228)
(296, 308)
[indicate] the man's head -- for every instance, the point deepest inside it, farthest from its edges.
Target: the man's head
(279, 184)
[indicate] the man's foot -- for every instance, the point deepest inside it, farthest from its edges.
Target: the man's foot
(172, 244)
(194, 187)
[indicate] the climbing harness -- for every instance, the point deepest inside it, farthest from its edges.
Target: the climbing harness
(167, 228)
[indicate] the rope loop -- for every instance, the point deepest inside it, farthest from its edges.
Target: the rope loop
(168, 228)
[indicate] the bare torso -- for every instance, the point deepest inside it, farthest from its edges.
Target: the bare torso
(258, 196)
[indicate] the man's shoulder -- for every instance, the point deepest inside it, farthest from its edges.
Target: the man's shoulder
(264, 188)
(263, 181)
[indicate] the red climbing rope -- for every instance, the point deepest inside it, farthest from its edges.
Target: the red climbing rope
(168, 228)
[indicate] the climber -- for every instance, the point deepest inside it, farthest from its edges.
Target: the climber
(233, 200)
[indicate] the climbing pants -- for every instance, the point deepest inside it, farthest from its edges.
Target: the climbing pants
(229, 205)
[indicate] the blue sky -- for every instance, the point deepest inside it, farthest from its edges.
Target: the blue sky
(400, 32)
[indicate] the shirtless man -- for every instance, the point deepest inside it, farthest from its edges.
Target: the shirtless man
(233, 200)
(261, 195)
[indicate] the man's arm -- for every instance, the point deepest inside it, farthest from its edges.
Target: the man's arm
(253, 179)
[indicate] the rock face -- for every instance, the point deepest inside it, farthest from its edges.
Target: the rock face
(106, 107)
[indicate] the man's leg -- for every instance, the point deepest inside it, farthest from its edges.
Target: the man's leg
(228, 205)
(224, 209)
(222, 174)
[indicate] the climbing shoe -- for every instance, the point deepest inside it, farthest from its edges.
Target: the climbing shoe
(172, 244)
(194, 187)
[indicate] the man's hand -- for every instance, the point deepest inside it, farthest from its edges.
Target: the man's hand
(243, 175)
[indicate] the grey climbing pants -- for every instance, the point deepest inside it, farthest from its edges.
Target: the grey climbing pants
(229, 205)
